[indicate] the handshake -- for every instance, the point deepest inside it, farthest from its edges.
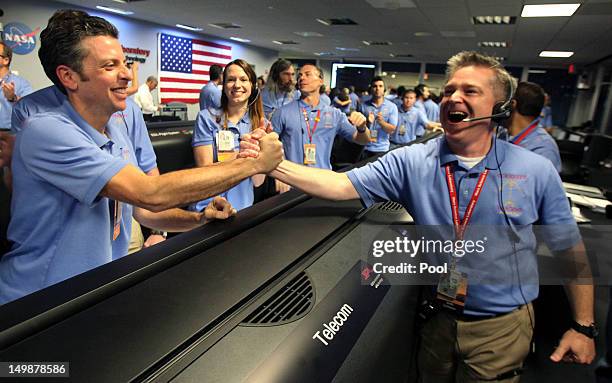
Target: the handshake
(262, 145)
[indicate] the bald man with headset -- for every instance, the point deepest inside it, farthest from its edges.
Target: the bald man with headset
(457, 181)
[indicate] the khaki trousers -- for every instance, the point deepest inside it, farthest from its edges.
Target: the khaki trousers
(453, 350)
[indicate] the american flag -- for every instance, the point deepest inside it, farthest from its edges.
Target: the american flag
(183, 66)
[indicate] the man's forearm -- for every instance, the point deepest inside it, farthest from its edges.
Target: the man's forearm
(388, 128)
(178, 188)
(173, 220)
(320, 183)
(580, 291)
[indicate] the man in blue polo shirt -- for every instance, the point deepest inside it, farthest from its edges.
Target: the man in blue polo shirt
(424, 102)
(307, 129)
(13, 87)
(280, 87)
(382, 118)
(457, 181)
(411, 122)
(73, 171)
(210, 94)
(524, 128)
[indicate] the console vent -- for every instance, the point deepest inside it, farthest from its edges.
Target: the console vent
(390, 206)
(290, 303)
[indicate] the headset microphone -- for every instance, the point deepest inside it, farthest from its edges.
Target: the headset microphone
(501, 115)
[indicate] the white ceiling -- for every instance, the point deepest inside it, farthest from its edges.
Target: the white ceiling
(588, 32)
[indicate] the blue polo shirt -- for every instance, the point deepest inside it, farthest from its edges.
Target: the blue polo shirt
(51, 99)
(389, 112)
(324, 99)
(206, 128)
(210, 96)
(532, 191)
(291, 127)
(354, 101)
(275, 100)
(413, 121)
(60, 225)
(540, 142)
(546, 117)
(22, 88)
(432, 110)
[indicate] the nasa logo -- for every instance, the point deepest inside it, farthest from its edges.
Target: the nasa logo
(20, 38)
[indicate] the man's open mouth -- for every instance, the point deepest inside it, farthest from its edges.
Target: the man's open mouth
(456, 116)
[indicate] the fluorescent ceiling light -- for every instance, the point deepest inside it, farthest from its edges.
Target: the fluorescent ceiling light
(556, 54)
(189, 27)
(347, 49)
(324, 22)
(240, 39)
(277, 42)
(114, 10)
(422, 34)
(536, 71)
(549, 10)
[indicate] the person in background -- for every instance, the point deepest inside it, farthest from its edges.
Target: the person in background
(382, 118)
(411, 121)
(424, 102)
(354, 99)
(210, 94)
(280, 87)
(343, 101)
(13, 87)
(524, 124)
(261, 82)
(144, 98)
(546, 115)
(216, 137)
(307, 128)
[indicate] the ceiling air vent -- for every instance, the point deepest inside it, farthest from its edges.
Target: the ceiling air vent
(494, 20)
(285, 42)
(339, 21)
(390, 206)
(290, 303)
(225, 25)
(376, 43)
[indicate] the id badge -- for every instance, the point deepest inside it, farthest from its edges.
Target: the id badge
(452, 290)
(310, 154)
(373, 135)
(225, 141)
(402, 130)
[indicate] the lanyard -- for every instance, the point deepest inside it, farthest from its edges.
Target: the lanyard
(461, 225)
(517, 140)
(307, 120)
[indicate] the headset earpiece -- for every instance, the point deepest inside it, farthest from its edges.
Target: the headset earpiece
(501, 111)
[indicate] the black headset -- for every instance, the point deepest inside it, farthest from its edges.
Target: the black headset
(503, 110)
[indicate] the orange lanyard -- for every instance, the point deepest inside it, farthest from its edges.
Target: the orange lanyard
(307, 120)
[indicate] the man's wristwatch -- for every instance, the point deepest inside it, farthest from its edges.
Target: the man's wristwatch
(159, 232)
(591, 331)
(361, 130)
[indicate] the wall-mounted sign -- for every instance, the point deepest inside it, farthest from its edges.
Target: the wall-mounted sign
(136, 54)
(20, 38)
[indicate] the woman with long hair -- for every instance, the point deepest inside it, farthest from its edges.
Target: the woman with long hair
(216, 136)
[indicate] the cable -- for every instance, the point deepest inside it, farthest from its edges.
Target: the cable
(514, 237)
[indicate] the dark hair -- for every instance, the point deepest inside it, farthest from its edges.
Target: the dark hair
(420, 89)
(7, 52)
(408, 91)
(215, 72)
(256, 107)
(529, 99)
(376, 79)
(400, 90)
(61, 40)
(276, 69)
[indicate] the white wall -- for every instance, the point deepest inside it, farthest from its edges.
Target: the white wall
(132, 33)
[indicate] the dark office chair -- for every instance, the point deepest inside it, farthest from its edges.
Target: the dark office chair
(344, 153)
